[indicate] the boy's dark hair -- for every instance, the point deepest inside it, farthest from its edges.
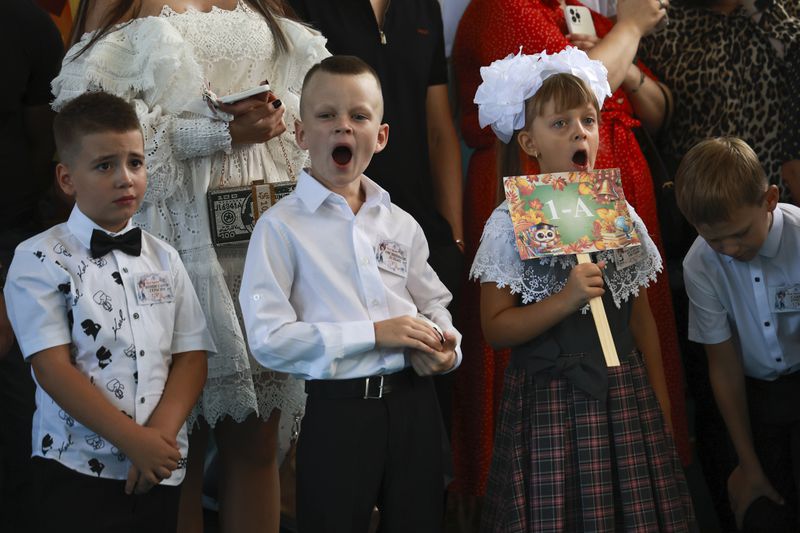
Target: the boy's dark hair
(341, 65)
(91, 112)
(717, 177)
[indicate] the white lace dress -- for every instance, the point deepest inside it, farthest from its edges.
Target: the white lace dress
(162, 64)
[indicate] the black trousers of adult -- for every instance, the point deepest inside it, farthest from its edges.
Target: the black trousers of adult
(17, 404)
(354, 454)
(775, 422)
(71, 502)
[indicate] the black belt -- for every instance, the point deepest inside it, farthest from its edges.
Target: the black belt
(369, 388)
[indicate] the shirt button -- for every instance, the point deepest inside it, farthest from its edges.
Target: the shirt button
(758, 279)
(375, 303)
(125, 269)
(364, 261)
(141, 400)
(620, 100)
(141, 353)
(136, 316)
(766, 324)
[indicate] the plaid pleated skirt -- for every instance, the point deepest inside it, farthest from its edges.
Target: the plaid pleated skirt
(564, 461)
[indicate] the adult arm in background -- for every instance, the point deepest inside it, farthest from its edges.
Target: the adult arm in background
(534, 30)
(444, 151)
(617, 50)
(445, 160)
(747, 482)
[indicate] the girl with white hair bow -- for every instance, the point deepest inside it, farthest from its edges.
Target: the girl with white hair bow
(579, 446)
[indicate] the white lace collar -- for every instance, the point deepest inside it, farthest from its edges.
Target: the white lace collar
(534, 280)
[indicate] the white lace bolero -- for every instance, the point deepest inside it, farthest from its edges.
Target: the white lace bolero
(149, 62)
(498, 261)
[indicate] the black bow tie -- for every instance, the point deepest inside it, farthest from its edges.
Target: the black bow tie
(129, 243)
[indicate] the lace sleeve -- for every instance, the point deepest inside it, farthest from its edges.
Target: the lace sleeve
(626, 282)
(148, 63)
(534, 280)
(497, 259)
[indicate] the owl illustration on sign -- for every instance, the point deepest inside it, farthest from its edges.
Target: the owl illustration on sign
(545, 238)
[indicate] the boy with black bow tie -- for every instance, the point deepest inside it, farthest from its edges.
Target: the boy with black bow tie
(107, 317)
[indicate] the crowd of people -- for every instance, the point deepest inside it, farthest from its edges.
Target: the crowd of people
(380, 305)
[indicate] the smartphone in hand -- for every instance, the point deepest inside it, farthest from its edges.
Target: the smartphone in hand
(236, 97)
(215, 101)
(579, 20)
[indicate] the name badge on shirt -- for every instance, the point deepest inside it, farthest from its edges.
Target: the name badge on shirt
(785, 298)
(154, 288)
(630, 255)
(392, 257)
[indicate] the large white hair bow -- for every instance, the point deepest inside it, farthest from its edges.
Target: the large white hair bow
(508, 83)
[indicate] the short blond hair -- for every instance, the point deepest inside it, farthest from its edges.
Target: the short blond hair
(717, 177)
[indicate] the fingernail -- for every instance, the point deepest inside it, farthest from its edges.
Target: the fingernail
(276, 104)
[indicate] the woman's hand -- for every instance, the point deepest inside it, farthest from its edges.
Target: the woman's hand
(583, 41)
(641, 14)
(256, 119)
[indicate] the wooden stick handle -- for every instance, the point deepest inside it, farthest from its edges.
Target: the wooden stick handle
(601, 323)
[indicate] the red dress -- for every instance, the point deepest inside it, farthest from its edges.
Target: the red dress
(490, 30)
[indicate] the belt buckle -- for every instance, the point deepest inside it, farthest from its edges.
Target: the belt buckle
(367, 395)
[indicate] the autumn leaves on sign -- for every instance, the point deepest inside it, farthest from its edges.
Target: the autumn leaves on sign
(569, 213)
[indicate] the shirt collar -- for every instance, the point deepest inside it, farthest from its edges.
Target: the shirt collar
(82, 227)
(313, 193)
(773, 242)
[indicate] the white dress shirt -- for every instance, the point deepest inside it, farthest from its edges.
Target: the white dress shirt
(57, 294)
(315, 282)
(731, 299)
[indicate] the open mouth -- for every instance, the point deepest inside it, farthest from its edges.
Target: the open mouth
(342, 155)
(580, 158)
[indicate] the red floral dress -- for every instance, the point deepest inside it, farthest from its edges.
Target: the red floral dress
(490, 30)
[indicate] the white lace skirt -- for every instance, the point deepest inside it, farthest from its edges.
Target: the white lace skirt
(237, 385)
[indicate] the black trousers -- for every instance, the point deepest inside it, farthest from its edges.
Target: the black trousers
(17, 405)
(354, 454)
(775, 422)
(71, 502)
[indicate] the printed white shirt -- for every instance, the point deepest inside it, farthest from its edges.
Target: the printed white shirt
(318, 276)
(57, 294)
(737, 300)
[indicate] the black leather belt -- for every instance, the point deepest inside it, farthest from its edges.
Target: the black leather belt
(369, 388)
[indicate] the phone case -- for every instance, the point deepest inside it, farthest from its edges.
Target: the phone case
(235, 97)
(579, 20)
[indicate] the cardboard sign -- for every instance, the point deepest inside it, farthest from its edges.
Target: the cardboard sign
(569, 213)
